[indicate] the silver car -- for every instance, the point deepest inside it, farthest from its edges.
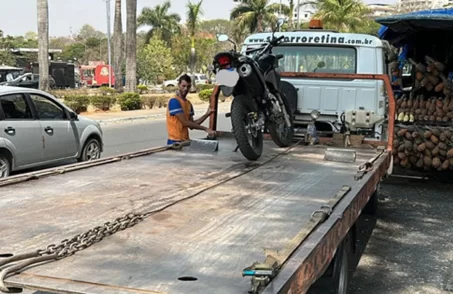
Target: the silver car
(37, 129)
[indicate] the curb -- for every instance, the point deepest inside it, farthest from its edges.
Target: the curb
(142, 117)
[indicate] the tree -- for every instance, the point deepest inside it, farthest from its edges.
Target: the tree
(43, 44)
(87, 31)
(155, 60)
(342, 15)
(6, 44)
(131, 45)
(217, 26)
(257, 14)
(160, 20)
(194, 12)
(118, 46)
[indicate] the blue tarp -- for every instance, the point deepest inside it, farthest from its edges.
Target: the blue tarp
(397, 29)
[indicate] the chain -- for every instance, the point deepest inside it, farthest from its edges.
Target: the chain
(68, 247)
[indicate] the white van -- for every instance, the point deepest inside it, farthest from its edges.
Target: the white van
(324, 51)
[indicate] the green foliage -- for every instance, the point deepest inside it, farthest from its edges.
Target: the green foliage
(78, 103)
(155, 60)
(154, 101)
(104, 90)
(161, 21)
(10, 42)
(142, 88)
(103, 102)
(201, 87)
(205, 49)
(205, 95)
(129, 101)
(217, 26)
(343, 15)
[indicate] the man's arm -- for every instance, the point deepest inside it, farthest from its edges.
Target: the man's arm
(175, 109)
(190, 123)
(201, 119)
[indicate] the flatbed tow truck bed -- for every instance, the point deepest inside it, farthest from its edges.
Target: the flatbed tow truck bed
(214, 215)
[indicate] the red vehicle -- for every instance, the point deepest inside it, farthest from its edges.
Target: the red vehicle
(96, 74)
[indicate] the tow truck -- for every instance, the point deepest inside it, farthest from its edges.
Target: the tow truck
(176, 220)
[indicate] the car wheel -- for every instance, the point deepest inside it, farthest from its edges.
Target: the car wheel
(91, 150)
(5, 166)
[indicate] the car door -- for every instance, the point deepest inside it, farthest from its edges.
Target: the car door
(20, 129)
(59, 132)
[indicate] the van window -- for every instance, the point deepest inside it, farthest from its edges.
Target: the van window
(307, 59)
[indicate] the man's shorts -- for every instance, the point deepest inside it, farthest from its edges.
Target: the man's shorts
(169, 142)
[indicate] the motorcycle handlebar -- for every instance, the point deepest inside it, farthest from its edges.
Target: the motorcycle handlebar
(279, 39)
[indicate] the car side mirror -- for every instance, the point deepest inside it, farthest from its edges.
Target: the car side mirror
(73, 115)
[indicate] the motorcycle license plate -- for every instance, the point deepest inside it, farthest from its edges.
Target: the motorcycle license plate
(227, 77)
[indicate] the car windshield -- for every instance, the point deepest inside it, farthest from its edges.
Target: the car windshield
(203, 77)
(317, 59)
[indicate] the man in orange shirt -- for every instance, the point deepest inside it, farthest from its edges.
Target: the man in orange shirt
(180, 114)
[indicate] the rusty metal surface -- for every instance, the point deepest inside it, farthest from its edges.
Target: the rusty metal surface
(212, 236)
(305, 265)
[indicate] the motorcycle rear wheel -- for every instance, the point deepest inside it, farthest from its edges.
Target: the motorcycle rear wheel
(251, 146)
(281, 134)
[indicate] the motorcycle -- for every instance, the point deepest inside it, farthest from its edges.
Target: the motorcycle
(254, 82)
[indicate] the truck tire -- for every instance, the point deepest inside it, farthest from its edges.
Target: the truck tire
(239, 111)
(291, 94)
(5, 166)
(337, 276)
(91, 150)
(371, 208)
(289, 132)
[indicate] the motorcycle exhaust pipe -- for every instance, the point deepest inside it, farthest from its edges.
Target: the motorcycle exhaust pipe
(245, 70)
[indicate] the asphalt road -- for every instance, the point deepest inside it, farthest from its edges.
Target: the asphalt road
(133, 136)
(123, 137)
(410, 249)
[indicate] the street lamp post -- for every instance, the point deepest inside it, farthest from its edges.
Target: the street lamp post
(107, 2)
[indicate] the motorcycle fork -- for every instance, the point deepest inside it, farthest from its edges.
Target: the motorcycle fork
(282, 109)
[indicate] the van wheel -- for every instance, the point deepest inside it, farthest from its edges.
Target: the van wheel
(91, 150)
(5, 166)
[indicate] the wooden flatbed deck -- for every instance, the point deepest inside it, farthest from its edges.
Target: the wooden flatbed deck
(231, 211)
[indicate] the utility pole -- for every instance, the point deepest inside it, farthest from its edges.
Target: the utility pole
(107, 2)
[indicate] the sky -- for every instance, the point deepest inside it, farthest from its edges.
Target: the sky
(19, 17)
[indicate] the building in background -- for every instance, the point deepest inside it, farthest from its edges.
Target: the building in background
(303, 11)
(380, 10)
(404, 6)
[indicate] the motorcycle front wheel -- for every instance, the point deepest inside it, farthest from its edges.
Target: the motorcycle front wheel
(280, 133)
(249, 140)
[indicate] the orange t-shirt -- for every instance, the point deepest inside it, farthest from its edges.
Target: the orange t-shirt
(176, 131)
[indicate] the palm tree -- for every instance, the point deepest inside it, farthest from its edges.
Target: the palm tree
(194, 12)
(238, 34)
(342, 15)
(256, 14)
(290, 14)
(43, 44)
(159, 19)
(118, 46)
(131, 45)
